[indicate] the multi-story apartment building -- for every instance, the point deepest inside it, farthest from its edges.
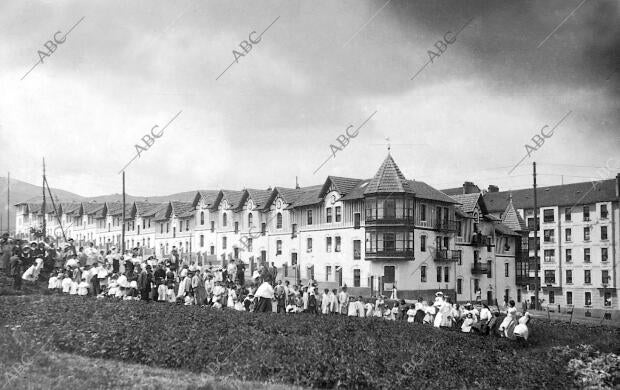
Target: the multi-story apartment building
(578, 241)
(372, 234)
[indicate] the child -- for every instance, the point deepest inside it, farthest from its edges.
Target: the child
(82, 288)
(369, 310)
(67, 283)
(395, 311)
(410, 314)
(387, 314)
(51, 284)
(170, 297)
(247, 302)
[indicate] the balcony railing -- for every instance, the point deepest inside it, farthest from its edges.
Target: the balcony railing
(445, 225)
(395, 220)
(479, 269)
(405, 254)
(481, 240)
(447, 255)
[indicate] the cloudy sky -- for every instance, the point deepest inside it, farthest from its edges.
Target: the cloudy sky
(320, 68)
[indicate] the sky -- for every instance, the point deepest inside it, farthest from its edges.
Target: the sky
(319, 68)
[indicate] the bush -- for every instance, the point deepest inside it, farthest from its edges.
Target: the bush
(307, 350)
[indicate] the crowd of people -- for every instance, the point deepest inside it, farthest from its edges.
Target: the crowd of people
(131, 276)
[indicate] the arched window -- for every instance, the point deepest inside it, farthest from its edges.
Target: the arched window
(202, 217)
(224, 219)
(279, 221)
(250, 217)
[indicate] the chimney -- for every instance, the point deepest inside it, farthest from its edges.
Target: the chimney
(493, 188)
(618, 186)
(469, 188)
(296, 183)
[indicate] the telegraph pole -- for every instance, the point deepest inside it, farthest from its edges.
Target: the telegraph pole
(536, 259)
(123, 234)
(44, 229)
(8, 203)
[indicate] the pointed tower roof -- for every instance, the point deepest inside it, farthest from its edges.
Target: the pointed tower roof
(388, 179)
(513, 219)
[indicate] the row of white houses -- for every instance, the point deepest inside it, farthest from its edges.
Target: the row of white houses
(368, 234)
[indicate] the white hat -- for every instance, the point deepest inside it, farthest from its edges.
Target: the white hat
(255, 275)
(439, 294)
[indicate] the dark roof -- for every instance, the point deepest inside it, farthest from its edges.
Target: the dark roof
(307, 196)
(560, 195)
(146, 209)
(163, 212)
(208, 196)
(232, 197)
(388, 179)
(503, 229)
(182, 209)
(259, 197)
(513, 219)
(421, 189)
(469, 201)
(116, 209)
(343, 185)
(72, 208)
(453, 191)
(90, 208)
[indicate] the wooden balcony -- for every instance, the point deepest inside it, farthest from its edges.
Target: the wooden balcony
(479, 269)
(447, 255)
(445, 225)
(389, 254)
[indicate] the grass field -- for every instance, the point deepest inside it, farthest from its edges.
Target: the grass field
(304, 350)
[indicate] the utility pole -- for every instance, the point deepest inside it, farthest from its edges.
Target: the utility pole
(43, 210)
(536, 260)
(123, 234)
(8, 203)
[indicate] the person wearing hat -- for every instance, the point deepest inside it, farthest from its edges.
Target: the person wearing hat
(198, 286)
(265, 294)
(343, 300)
(144, 283)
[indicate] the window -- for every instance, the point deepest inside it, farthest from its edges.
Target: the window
(338, 213)
(446, 274)
(569, 298)
(587, 276)
(249, 244)
(202, 240)
(187, 225)
(586, 255)
(423, 243)
(250, 220)
(357, 249)
(294, 258)
(357, 218)
(202, 217)
(423, 274)
(569, 255)
(567, 214)
(549, 276)
(144, 224)
(294, 230)
(309, 244)
(167, 227)
(174, 231)
(278, 247)
(389, 242)
(389, 209)
(551, 296)
(224, 242)
(263, 228)
(422, 212)
(586, 213)
(309, 217)
(569, 276)
(506, 270)
(604, 276)
(161, 228)
(519, 295)
(212, 226)
(607, 298)
(586, 234)
(549, 255)
(329, 215)
(549, 235)
(180, 226)
(588, 298)
(356, 278)
(328, 273)
(459, 286)
(603, 232)
(337, 246)
(224, 219)
(279, 221)
(604, 254)
(548, 216)
(328, 244)
(438, 274)
(568, 234)
(603, 211)
(236, 227)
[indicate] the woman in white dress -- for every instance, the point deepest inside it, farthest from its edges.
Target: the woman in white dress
(439, 302)
(521, 330)
(507, 326)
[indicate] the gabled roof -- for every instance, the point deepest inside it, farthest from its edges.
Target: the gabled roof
(145, 209)
(453, 191)
(233, 198)
(115, 209)
(259, 197)
(209, 197)
(425, 191)
(343, 185)
(90, 208)
(388, 179)
(73, 208)
(561, 195)
(513, 219)
(182, 209)
(469, 201)
(163, 212)
(307, 196)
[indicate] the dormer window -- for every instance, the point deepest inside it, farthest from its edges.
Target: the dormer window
(279, 221)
